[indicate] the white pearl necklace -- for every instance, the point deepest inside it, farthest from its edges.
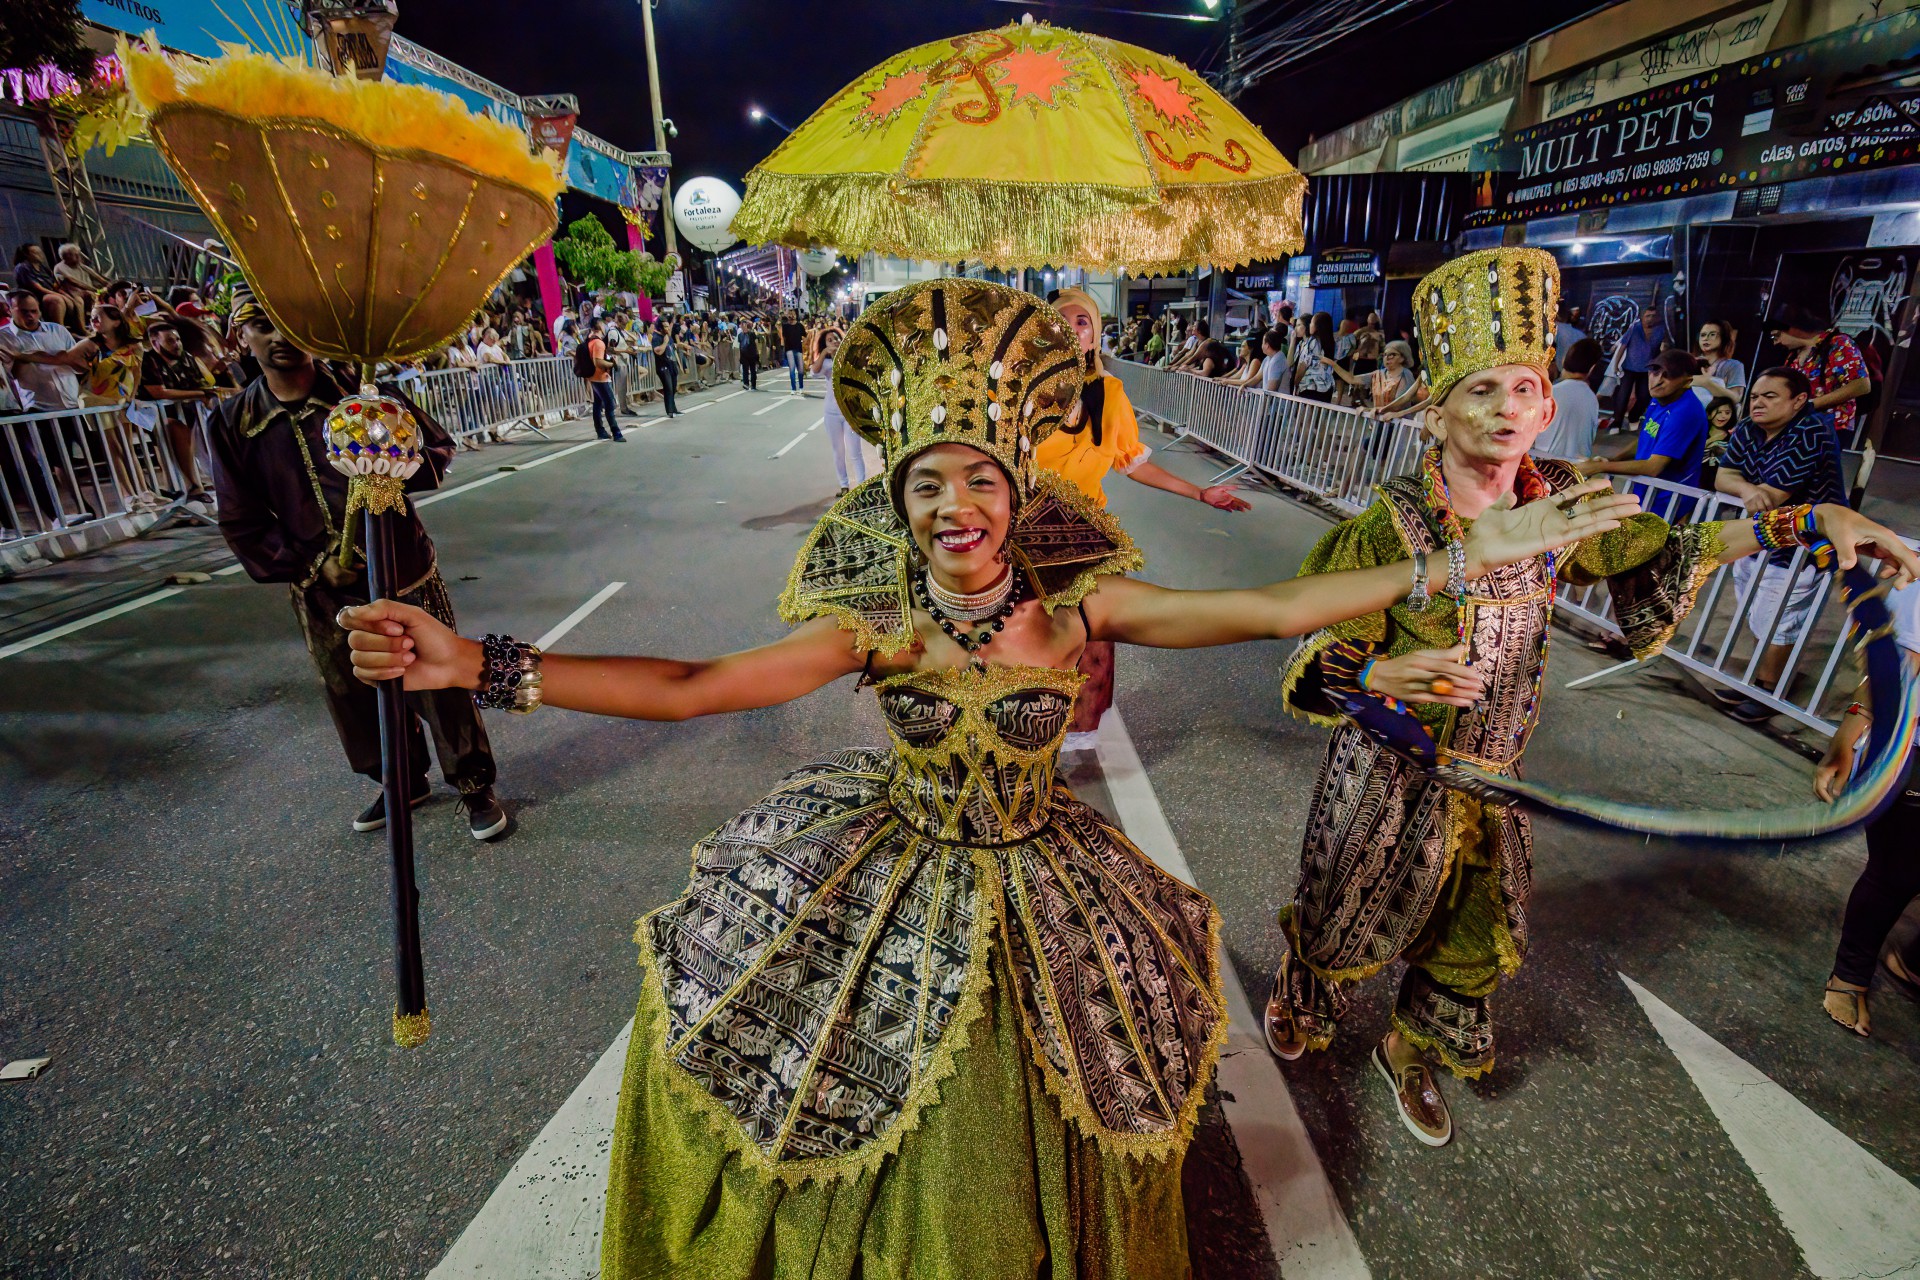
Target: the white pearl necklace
(971, 608)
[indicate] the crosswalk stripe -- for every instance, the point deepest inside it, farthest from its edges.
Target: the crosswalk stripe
(1850, 1214)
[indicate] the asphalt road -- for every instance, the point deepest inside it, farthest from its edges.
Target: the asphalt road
(191, 931)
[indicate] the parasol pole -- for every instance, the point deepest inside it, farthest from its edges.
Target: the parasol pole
(411, 1022)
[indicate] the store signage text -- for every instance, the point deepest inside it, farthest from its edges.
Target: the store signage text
(1829, 106)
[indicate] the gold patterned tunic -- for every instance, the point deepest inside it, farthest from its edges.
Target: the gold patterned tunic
(920, 1012)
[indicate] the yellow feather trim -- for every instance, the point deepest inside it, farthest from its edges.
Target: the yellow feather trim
(385, 114)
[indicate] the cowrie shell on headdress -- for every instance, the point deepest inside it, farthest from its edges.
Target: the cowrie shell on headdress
(940, 339)
(1026, 444)
(993, 410)
(896, 419)
(895, 376)
(876, 413)
(939, 414)
(993, 370)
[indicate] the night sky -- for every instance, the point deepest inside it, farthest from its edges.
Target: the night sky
(718, 57)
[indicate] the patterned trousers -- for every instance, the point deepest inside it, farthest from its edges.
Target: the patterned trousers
(1453, 965)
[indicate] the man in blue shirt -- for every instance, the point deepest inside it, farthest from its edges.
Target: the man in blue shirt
(1637, 346)
(1784, 452)
(1672, 438)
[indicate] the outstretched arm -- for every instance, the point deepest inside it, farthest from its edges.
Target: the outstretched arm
(392, 640)
(1134, 612)
(1851, 534)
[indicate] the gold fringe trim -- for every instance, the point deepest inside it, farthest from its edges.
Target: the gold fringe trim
(1439, 1049)
(1020, 224)
(650, 1021)
(375, 494)
(1356, 973)
(410, 1030)
(1294, 670)
(384, 113)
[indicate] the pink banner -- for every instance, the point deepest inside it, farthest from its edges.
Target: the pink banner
(548, 272)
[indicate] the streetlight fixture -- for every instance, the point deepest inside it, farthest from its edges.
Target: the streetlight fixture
(757, 114)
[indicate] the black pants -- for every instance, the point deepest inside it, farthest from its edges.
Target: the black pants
(750, 374)
(1881, 894)
(459, 739)
(603, 401)
(1630, 399)
(669, 383)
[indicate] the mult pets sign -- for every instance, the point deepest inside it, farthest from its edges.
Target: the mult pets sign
(1832, 105)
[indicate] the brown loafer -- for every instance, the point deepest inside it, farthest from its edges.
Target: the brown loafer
(1417, 1097)
(1283, 1035)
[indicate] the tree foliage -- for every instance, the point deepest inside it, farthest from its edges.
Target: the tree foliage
(36, 32)
(590, 257)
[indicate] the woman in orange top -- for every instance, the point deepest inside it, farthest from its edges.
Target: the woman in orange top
(1106, 437)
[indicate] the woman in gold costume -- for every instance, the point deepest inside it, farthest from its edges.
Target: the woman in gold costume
(920, 1011)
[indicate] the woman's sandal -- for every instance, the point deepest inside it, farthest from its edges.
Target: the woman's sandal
(1897, 972)
(1857, 1002)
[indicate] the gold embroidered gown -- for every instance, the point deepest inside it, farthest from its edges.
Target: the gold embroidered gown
(921, 1012)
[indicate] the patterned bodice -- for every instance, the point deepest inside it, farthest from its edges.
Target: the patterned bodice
(974, 751)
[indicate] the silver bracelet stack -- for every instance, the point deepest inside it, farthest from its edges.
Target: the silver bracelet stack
(1418, 599)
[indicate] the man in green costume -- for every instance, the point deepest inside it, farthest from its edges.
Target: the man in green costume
(1395, 865)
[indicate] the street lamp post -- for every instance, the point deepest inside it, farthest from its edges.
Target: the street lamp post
(659, 118)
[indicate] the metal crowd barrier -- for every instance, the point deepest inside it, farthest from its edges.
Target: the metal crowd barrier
(73, 480)
(1337, 455)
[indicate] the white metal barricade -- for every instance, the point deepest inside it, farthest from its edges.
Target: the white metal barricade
(1337, 455)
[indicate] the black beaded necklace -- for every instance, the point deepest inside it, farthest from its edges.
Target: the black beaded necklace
(971, 641)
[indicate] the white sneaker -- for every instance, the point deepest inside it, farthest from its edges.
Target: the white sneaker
(1085, 740)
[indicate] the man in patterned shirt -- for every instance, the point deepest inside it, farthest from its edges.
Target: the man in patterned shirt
(1783, 452)
(1830, 360)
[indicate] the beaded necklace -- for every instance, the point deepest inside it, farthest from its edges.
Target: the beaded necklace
(971, 641)
(1533, 487)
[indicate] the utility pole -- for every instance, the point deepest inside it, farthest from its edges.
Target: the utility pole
(659, 121)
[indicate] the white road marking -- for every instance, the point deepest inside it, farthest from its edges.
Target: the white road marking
(543, 1221)
(428, 499)
(424, 500)
(1850, 1214)
(529, 1227)
(1305, 1224)
(730, 395)
(796, 440)
(771, 405)
(579, 615)
(695, 408)
(81, 624)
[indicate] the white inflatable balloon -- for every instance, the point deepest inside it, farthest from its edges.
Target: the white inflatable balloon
(704, 212)
(817, 262)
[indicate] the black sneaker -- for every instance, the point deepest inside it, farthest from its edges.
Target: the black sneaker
(1727, 697)
(374, 816)
(1747, 711)
(486, 817)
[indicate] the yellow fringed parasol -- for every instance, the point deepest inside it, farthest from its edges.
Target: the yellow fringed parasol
(1025, 146)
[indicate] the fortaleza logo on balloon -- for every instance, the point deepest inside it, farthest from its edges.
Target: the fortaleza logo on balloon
(704, 212)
